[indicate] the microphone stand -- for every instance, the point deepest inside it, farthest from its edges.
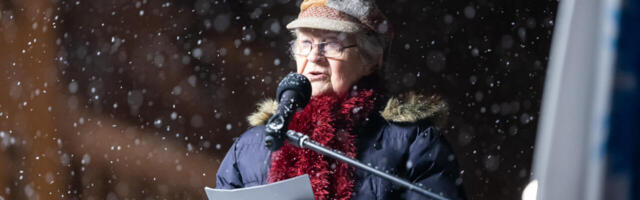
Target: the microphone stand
(303, 141)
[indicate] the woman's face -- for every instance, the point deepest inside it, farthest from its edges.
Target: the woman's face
(335, 74)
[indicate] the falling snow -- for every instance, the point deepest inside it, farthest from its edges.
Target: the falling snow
(141, 99)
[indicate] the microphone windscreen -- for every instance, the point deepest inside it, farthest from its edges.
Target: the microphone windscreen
(298, 83)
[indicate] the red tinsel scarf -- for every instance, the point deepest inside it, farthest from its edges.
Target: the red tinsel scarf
(331, 121)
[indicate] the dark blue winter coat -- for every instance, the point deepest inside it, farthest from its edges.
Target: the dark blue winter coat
(402, 140)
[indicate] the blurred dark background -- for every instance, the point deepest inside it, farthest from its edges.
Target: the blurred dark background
(134, 99)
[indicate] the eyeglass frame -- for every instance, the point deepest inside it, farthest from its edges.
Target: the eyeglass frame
(321, 47)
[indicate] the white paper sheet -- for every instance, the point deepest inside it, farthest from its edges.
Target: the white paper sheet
(296, 188)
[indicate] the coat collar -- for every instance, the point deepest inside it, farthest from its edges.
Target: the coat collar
(405, 108)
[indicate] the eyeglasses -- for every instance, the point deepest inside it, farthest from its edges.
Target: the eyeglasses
(327, 49)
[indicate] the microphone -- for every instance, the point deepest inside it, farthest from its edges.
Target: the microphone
(294, 91)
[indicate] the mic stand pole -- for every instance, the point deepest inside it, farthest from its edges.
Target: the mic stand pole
(303, 141)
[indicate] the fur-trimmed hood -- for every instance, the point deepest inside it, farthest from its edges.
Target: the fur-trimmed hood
(402, 131)
(406, 108)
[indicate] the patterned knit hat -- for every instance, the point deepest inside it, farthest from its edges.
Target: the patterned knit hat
(350, 16)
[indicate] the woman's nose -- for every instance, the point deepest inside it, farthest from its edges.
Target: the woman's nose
(316, 55)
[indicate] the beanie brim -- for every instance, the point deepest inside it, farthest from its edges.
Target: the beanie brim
(325, 24)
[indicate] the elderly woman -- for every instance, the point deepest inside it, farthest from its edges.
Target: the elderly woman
(340, 46)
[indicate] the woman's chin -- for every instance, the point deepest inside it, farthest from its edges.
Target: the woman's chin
(329, 92)
(318, 88)
(318, 92)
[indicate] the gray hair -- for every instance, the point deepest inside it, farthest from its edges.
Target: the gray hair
(372, 46)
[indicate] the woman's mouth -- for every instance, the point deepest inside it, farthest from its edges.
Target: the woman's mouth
(316, 75)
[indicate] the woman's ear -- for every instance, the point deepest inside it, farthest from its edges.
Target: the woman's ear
(369, 68)
(372, 66)
(380, 61)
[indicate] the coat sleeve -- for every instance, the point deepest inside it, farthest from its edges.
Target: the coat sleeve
(228, 176)
(432, 165)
